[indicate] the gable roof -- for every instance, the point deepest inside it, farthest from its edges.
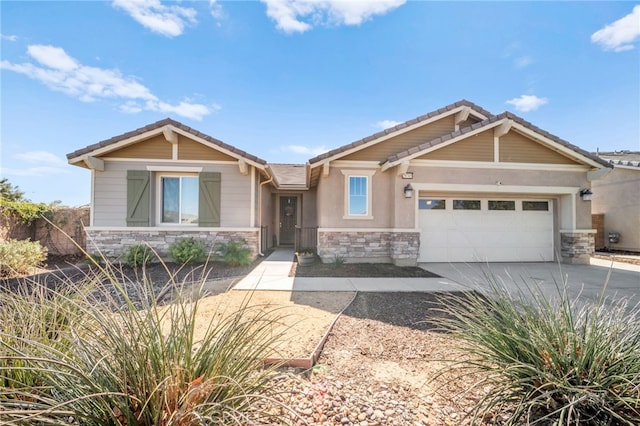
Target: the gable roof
(476, 110)
(489, 123)
(155, 128)
(289, 176)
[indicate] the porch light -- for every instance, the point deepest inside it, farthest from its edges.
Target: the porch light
(408, 191)
(586, 194)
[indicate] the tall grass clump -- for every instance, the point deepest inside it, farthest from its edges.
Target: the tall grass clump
(87, 353)
(548, 359)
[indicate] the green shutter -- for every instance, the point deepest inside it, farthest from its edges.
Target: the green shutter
(138, 197)
(209, 199)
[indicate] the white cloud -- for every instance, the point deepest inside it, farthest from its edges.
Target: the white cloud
(526, 103)
(523, 61)
(385, 124)
(514, 52)
(166, 20)
(215, 8)
(40, 157)
(289, 14)
(53, 57)
(304, 150)
(9, 37)
(620, 35)
(60, 72)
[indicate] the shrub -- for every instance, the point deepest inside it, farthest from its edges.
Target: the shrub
(66, 359)
(188, 250)
(138, 255)
(20, 256)
(235, 253)
(550, 360)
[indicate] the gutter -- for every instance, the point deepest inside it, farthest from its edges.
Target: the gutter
(260, 253)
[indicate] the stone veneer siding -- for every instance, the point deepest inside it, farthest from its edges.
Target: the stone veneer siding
(577, 247)
(114, 243)
(399, 248)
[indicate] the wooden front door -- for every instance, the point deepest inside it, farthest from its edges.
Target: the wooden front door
(288, 219)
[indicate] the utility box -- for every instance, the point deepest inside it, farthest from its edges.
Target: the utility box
(614, 237)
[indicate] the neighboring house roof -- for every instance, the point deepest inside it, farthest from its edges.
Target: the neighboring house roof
(103, 146)
(477, 111)
(490, 122)
(626, 159)
(289, 176)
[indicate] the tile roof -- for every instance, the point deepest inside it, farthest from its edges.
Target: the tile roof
(158, 125)
(621, 158)
(400, 126)
(484, 123)
(289, 174)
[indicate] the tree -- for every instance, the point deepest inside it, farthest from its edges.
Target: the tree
(10, 192)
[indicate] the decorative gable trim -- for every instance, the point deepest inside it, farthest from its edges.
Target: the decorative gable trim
(502, 124)
(461, 109)
(170, 129)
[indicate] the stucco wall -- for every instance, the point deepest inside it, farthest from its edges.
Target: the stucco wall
(392, 210)
(616, 196)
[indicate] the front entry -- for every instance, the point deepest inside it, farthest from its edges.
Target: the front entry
(288, 221)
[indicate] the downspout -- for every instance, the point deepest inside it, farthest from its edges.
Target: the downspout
(260, 253)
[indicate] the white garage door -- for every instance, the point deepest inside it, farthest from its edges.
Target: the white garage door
(485, 230)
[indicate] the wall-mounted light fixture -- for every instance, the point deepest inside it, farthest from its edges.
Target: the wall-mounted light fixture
(408, 191)
(586, 194)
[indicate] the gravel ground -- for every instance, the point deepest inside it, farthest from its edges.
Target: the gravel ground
(382, 365)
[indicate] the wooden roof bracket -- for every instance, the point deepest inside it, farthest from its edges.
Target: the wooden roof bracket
(242, 165)
(403, 167)
(325, 168)
(503, 128)
(94, 163)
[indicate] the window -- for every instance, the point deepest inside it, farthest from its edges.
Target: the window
(432, 204)
(179, 199)
(357, 195)
(466, 204)
(540, 206)
(502, 205)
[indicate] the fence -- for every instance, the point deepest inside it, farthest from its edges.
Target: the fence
(264, 238)
(305, 238)
(51, 234)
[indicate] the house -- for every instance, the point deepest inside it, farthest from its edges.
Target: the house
(458, 184)
(617, 198)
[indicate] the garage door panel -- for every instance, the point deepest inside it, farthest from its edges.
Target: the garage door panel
(485, 235)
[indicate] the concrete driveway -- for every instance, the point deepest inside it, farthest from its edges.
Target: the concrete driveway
(584, 280)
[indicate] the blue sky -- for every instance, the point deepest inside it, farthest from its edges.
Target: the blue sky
(288, 79)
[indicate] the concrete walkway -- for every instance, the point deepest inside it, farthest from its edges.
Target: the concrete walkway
(273, 274)
(588, 280)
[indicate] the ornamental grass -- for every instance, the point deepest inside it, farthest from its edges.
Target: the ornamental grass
(548, 359)
(94, 353)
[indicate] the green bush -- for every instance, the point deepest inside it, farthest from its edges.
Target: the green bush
(550, 360)
(138, 255)
(188, 250)
(86, 355)
(20, 256)
(235, 253)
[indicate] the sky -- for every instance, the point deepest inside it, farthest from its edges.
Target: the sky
(286, 80)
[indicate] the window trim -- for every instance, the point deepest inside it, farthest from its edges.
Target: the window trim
(368, 175)
(157, 203)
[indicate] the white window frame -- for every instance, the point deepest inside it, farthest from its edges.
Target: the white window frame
(159, 200)
(368, 176)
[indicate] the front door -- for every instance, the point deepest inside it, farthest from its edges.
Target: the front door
(288, 215)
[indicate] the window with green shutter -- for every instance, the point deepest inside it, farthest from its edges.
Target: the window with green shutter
(138, 198)
(209, 199)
